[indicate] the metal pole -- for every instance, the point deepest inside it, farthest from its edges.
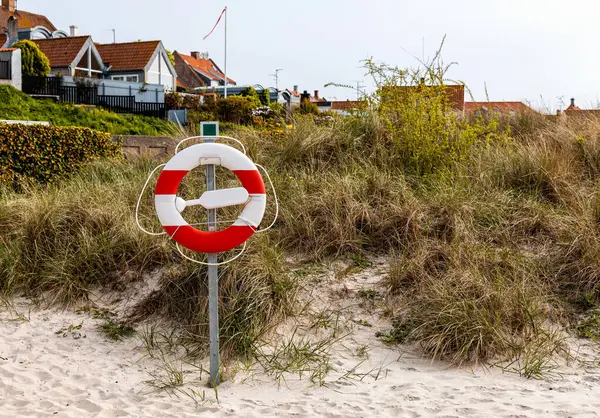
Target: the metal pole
(213, 281)
(225, 51)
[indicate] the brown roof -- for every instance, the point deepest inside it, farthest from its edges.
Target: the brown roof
(61, 51)
(206, 67)
(501, 107)
(7, 49)
(348, 105)
(127, 56)
(455, 94)
(26, 20)
(180, 83)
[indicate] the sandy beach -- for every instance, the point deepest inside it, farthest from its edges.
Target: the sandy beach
(49, 369)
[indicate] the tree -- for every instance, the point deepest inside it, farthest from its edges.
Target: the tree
(34, 61)
(252, 96)
(265, 97)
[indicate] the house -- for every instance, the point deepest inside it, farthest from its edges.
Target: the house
(499, 108)
(575, 112)
(198, 70)
(453, 93)
(75, 56)
(17, 24)
(142, 62)
(291, 98)
(10, 67)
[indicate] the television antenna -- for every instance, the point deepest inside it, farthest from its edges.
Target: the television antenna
(276, 77)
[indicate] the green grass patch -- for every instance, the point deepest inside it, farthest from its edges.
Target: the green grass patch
(15, 105)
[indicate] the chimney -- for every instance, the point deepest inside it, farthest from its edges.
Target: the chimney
(13, 30)
(296, 89)
(305, 97)
(9, 4)
(74, 30)
(317, 94)
(196, 55)
(573, 102)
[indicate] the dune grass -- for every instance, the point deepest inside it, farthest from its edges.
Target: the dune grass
(493, 242)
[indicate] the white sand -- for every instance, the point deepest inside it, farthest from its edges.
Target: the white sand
(82, 374)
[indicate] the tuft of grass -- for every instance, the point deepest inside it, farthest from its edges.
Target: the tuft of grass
(116, 330)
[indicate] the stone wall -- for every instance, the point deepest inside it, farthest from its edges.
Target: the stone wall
(149, 146)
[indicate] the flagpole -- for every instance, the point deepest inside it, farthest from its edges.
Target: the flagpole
(225, 51)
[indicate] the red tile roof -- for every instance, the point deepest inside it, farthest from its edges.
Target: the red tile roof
(501, 107)
(207, 67)
(573, 107)
(26, 20)
(61, 51)
(348, 105)
(128, 56)
(7, 49)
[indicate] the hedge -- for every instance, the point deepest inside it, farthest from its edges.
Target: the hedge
(44, 153)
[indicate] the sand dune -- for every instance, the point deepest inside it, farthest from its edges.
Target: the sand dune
(79, 373)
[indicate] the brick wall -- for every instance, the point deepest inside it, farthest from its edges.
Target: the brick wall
(151, 146)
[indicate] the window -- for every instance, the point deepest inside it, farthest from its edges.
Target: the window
(130, 78)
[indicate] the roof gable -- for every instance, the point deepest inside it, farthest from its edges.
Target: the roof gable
(26, 20)
(206, 67)
(128, 56)
(62, 52)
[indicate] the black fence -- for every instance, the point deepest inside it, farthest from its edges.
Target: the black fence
(52, 87)
(5, 70)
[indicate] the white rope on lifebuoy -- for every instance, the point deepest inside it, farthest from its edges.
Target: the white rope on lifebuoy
(169, 206)
(249, 218)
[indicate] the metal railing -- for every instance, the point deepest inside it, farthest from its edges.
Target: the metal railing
(53, 87)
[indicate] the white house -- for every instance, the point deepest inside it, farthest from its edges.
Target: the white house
(10, 67)
(141, 62)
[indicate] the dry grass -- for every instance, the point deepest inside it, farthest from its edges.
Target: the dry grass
(498, 241)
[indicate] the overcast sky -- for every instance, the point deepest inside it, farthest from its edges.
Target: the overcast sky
(539, 51)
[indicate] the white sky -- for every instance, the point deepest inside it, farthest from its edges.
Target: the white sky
(539, 51)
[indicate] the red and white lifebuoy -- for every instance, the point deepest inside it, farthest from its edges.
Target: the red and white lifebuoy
(168, 205)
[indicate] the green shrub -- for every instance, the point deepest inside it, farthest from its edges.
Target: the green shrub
(309, 108)
(235, 109)
(265, 97)
(33, 61)
(427, 133)
(252, 96)
(45, 152)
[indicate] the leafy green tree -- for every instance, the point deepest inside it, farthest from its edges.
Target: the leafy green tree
(251, 96)
(265, 97)
(34, 61)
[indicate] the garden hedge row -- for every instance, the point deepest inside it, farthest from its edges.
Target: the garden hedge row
(44, 153)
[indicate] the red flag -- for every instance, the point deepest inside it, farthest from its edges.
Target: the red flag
(216, 24)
